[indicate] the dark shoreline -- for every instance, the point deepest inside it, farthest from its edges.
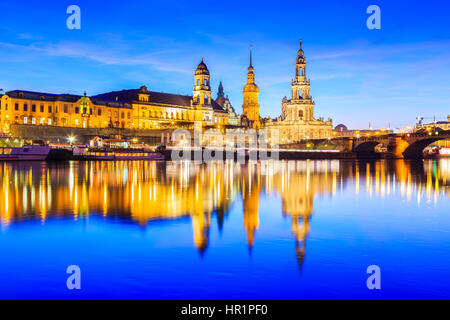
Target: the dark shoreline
(67, 155)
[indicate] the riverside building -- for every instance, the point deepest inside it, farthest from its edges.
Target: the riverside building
(126, 109)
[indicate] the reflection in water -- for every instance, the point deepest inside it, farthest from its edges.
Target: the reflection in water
(146, 191)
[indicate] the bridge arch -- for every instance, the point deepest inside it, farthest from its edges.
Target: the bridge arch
(415, 150)
(366, 148)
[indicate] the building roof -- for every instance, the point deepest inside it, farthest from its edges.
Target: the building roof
(202, 68)
(341, 127)
(220, 101)
(31, 95)
(115, 99)
(132, 95)
(71, 98)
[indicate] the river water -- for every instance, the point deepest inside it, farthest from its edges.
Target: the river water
(264, 230)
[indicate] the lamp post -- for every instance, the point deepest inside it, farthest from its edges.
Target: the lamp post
(71, 140)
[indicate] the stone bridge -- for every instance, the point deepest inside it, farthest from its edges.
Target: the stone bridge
(404, 145)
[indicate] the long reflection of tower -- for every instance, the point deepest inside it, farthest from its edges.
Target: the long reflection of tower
(201, 223)
(298, 183)
(251, 186)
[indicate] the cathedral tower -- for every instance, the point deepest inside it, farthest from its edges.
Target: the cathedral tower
(251, 107)
(300, 90)
(297, 122)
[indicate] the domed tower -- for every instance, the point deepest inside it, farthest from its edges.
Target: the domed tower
(202, 89)
(251, 107)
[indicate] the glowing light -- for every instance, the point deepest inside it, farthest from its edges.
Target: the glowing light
(71, 139)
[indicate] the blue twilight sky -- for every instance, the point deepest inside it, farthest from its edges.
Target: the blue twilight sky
(358, 75)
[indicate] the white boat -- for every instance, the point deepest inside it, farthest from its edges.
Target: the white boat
(25, 153)
(444, 152)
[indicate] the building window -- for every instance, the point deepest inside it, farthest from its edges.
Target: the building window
(66, 108)
(300, 114)
(16, 107)
(25, 107)
(49, 122)
(25, 120)
(76, 122)
(49, 109)
(206, 82)
(33, 120)
(77, 110)
(42, 108)
(198, 82)
(99, 111)
(129, 115)
(42, 121)
(123, 115)
(33, 108)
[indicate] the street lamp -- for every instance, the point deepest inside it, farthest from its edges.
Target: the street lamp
(71, 139)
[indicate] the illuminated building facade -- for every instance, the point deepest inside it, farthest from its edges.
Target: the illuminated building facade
(444, 125)
(62, 110)
(131, 109)
(297, 121)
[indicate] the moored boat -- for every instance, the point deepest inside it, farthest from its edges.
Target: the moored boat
(25, 153)
(444, 152)
(119, 148)
(17, 150)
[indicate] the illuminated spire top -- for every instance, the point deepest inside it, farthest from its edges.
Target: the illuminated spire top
(250, 68)
(300, 51)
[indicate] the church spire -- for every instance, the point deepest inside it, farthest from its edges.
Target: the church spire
(251, 91)
(250, 68)
(220, 92)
